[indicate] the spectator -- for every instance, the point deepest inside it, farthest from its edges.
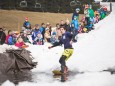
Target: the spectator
(9, 32)
(81, 25)
(91, 12)
(54, 37)
(76, 13)
(2, 36)
(25, 37)
(58, 33)
(19, 42)
(87, 16)
(62, 23)
(48, 25)
(57, 25)
(67, 25)
(42, 29)
(76, 24)
(37, 35)
(11, 39)
(27, 25)
(47, 35)
(73, 31)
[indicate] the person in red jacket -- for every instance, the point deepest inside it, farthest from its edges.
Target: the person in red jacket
(19, 43)
(9, 32)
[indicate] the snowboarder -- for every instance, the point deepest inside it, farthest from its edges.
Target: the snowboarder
(66, 39)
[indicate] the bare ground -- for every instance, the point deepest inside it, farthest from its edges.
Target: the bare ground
(13, 19)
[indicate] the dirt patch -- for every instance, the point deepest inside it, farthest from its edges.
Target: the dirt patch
(13, 19)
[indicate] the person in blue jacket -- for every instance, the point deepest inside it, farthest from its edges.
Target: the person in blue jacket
(76, 26)
(42, 29)
(66, 39)
(11, 39)
(27, 24)
(36, 32)
(91, 24)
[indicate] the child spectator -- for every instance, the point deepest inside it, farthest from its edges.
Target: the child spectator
(81, 27)
(42, 29)
(62, 23)
(54, 37)
(76, 24)
(19, 43)
(38, 39)
(91, 12)
(57, 25)
(48, 25)
(73, 31)
(9, 32)
(47, 35)
(11, 39)
(27, 26)
(83, 20)
(36, 36)
(76, 13)
(91, 25)
(67, 25)
(97, 17)
(25, 38)
(87, 16)
(58, 32)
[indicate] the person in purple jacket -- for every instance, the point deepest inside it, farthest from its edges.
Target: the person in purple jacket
(66, 39)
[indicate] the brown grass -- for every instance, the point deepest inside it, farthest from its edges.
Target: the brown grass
(13, 19)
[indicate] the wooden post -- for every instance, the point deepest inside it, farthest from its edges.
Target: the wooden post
(18, 24)
(110, 5)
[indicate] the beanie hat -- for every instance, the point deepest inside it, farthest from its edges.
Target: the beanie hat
(77, 9)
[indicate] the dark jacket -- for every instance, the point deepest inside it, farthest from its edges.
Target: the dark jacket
(2, 37)
(67, 27)
(65, 39)
(75, 14)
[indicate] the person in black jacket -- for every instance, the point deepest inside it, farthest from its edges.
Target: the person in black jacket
(76, 13)
(2, 36)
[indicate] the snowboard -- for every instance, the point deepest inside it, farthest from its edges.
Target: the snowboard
(57, 72)
(59, 75)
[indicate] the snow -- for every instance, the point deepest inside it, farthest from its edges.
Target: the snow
(93, 53)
